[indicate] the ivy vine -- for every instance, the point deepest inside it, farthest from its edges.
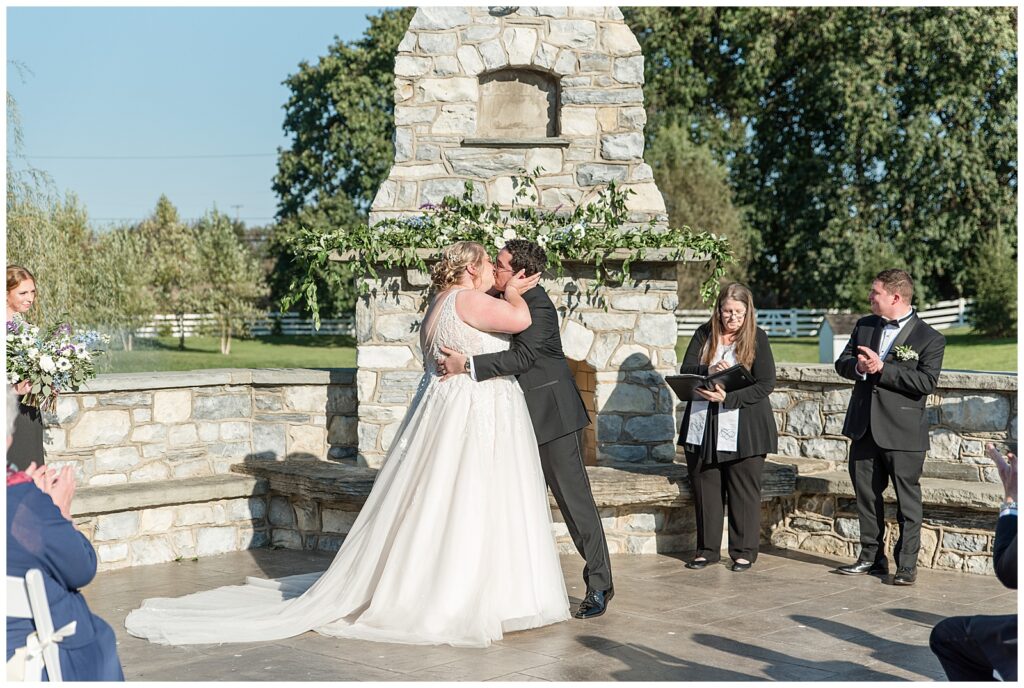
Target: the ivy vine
(587, 234)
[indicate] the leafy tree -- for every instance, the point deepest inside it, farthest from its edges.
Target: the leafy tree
(340, 116)
(231, 279)
(995, 270)
(119, 297)
(171, 250)
(697, 194)
(858, 138)
(50, 236)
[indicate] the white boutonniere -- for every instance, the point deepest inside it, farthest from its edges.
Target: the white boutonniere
(905, 352)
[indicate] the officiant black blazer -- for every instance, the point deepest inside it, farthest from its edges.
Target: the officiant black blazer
(893, 401)
(757, 433)
(536, 359)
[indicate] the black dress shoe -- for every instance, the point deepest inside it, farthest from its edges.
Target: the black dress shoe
(697, 564)
(736, 566)
(595, 603)
(904, 576)
(879, 567)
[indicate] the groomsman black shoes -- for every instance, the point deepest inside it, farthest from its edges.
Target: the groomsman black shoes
(595, 603)
(879, 567)
(904, 576)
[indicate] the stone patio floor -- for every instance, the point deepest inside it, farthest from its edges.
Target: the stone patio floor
(787, 619)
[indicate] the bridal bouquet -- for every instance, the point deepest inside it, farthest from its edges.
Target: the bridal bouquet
(56, 361)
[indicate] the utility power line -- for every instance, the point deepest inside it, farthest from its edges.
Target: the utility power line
(146, 157)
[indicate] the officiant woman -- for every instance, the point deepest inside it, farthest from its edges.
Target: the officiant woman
(726, 436)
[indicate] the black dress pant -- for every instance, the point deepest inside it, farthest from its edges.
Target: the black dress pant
(562, 462)
(871, 469)
(971, 647)
(28, 438)
(717, 483)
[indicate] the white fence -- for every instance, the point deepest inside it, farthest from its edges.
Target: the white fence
(789, 322)
(796, 322)
(291, 324)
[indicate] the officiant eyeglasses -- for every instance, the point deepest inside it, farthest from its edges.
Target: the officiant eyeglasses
(729, 315)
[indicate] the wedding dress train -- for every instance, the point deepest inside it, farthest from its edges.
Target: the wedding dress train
(453, 545)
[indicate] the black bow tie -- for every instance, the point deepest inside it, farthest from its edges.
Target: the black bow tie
(895, 322)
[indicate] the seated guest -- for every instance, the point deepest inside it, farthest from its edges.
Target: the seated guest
(41, 535)
(984, 648)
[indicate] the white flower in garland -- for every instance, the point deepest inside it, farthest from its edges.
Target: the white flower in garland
(499, 242)
(509, 234)
(542, 240)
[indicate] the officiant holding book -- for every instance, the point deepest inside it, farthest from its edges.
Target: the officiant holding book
(726, 435)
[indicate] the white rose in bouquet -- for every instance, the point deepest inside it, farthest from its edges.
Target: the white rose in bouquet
(47, 364)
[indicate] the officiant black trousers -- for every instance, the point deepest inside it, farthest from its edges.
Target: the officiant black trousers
(738, 484)
(561, 459)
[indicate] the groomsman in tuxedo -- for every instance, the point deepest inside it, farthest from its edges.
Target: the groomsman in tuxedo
(557, 412)
(894, 359)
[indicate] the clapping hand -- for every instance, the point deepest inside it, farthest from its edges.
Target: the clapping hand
(59, 485)
(520, 283)
(1007, 467)
(868, 361)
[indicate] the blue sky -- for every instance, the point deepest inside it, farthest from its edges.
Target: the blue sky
(151, 83)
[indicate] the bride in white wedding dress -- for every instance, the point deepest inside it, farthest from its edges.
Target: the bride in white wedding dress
(454, 543)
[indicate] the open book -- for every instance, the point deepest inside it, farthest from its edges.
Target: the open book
(731, 379)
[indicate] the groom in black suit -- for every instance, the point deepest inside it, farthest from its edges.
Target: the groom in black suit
(894, 358)
(557, 412)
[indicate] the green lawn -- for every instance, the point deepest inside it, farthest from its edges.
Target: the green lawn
(964, 351)
(261, 352)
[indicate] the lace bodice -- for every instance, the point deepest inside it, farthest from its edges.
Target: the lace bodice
(446, 328)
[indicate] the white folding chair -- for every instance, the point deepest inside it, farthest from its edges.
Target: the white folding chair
(26, 599)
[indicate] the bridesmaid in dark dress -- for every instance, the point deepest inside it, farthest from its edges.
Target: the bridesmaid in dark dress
(28, 426)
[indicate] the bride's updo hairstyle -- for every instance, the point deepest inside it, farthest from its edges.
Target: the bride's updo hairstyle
(454, 260)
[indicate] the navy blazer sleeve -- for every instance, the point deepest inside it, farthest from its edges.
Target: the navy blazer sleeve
(1004, 551)
(42, 531)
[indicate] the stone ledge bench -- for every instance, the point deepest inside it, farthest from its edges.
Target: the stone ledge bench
(821, 517)
(644, 509)
(160, 521)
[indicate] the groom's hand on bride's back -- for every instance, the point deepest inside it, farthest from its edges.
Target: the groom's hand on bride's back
(454, 363)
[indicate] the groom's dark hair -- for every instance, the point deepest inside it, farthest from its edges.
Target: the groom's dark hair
(526, 255)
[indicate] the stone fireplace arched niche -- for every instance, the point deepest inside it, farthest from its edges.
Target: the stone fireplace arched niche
(517, 107)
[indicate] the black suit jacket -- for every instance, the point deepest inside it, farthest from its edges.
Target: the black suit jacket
(893, 401)
(536, 359)
(757, 432)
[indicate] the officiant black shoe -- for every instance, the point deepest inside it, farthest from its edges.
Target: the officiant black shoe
(698, 564)
(595, 603)
(904, 576)
(879, 567)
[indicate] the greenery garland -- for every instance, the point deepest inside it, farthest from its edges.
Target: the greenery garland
(587, 234)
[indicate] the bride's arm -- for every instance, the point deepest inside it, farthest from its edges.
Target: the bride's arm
(489, 314)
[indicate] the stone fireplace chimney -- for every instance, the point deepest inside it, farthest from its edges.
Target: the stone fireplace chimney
(486, 94)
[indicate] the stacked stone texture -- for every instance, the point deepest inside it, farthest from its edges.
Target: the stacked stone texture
(966, 411)
(599, 68)
(134, 428)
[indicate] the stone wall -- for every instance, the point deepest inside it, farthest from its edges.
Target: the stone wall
(141, 427)
(967, 410)
(583, 64)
